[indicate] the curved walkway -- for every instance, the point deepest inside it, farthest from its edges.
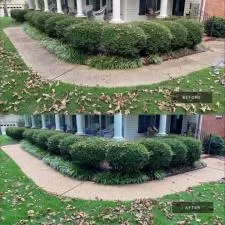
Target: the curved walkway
(54, 182)
(49, 66)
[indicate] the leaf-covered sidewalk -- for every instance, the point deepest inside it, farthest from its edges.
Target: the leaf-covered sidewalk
(68, 187)
(22, 91)
(47, 65)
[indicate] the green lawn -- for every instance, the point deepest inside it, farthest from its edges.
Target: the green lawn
(24, 92)
(22, 202)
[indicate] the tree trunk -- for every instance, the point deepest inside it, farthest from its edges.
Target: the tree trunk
(5, 9)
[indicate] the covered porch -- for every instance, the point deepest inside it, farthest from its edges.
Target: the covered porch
(118, 11)
(118, 126)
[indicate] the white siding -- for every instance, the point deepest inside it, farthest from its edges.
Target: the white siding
(132, 11)
(131, 127)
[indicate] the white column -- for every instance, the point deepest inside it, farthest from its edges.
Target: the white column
(26, 121)
(80, 124)
(80, 9)
(59, 6)
(33, 125)
(46, 5)
(69, 124)
(30, 4)
(43, 122)
(57, 122)
(118, 127)
(163, 9)
(116, 12)
(37, 5)
(162, 125)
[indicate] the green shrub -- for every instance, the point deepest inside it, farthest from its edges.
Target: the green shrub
(28, 135)
(213, 145)
(53, 142)
(161, 154)
(39, 19)
(62, 25)
(65, 143)
(34, 137)
(179, 34)
(158, 37)
(103, 62)
(50, 25)
(127, 157)
(194, 149)
(195, 32)
(215, 26)
(42, 138)
(84, 36)
(29, 17)
(89, 153)
(18, 14)
(15, 132)
(179, 152)
(126, 39)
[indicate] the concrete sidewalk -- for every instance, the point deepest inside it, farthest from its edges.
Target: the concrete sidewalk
(49, 66)
(54, 182)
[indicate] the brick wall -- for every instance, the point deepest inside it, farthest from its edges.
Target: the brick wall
(215, 7)
(212, 124)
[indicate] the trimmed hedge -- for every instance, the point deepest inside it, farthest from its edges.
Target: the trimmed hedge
(38, 19)
(89, 153)
(62, 25)
(213, 145)
(15, 132)
(158, 37)
(53, 143)
(84, 36)
(42, 138)
(195, 32)
(28, 135)
(125, 39)
(50, 25)
(65, 144)
(131, 40)
(148, 155)
(161, 154)
(18, 14)
(179, 34)
(179, 152)
(127, 156)
(215, 26)
(194, 149)
(29, 17)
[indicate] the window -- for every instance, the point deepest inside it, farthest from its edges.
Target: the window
(145, 121)
(145, 5)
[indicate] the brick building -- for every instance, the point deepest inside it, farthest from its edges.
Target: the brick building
(214, 7)
(213, 124)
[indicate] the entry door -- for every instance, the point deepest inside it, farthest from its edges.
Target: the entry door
(176, 124)
(178, 7)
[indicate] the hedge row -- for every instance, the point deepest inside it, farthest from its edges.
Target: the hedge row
(130, 39)
(126, 157)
